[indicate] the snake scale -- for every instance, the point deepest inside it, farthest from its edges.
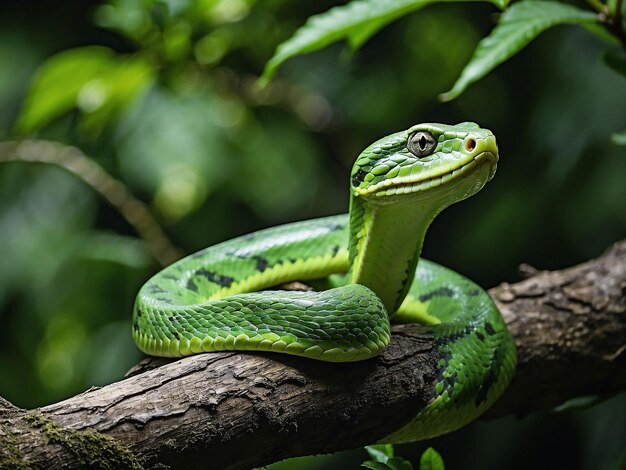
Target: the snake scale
(366, 263)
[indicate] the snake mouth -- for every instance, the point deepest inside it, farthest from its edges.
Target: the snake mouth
(399, 186)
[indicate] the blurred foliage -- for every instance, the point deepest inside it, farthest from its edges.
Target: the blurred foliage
(383, 458)
(163, 94)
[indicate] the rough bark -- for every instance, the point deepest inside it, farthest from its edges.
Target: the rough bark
(236, 410)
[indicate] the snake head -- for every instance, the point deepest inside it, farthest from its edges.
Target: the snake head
(429, 160)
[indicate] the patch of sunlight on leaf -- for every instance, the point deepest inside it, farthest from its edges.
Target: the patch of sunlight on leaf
(180, 192)
(229, 11)
(131, 18)
(519, 25)
(355, 22)
(95, 80)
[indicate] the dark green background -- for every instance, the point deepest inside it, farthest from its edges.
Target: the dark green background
(215, 159)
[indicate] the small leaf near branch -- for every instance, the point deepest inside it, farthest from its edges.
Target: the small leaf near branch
(380, 452)
(518, 26)
(431, 460)
(355, 22)
(398, 463)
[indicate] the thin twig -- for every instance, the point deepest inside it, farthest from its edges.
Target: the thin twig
(114, 191)
(611, 20)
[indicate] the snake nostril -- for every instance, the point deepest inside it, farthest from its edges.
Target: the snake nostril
(470, 144)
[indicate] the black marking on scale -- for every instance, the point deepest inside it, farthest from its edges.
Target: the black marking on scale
(155, 289)
(192, 285)
(439, 292)
(444, 358)
(261, 263)
(358, 177)
(448, 383)
(333, 227)
(401, 294)
(491, 377)
(211, 276)
(454, 337)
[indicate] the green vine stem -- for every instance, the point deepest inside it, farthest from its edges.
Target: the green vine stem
(611, 17)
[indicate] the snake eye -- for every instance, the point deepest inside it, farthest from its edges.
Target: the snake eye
(421, 143)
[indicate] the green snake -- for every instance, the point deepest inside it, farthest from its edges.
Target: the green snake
(366, 265)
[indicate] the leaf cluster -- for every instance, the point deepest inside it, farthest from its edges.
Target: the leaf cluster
(382, 458)
(517, 26)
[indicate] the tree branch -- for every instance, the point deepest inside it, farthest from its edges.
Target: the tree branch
(112, 190)
(238, 410)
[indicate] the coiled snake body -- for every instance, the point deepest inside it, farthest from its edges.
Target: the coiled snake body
(368, 262)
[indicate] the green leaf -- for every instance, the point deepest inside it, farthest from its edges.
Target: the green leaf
(619, 138)
(96, 80)
(431, 460)
(519, 24)
(356, 22)
(380, 452)
(375, 465)
(616, 62)
(398, 463)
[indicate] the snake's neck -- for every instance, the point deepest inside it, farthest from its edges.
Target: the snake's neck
(385, 244)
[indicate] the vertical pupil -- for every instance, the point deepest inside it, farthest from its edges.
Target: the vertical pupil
(422, 142)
